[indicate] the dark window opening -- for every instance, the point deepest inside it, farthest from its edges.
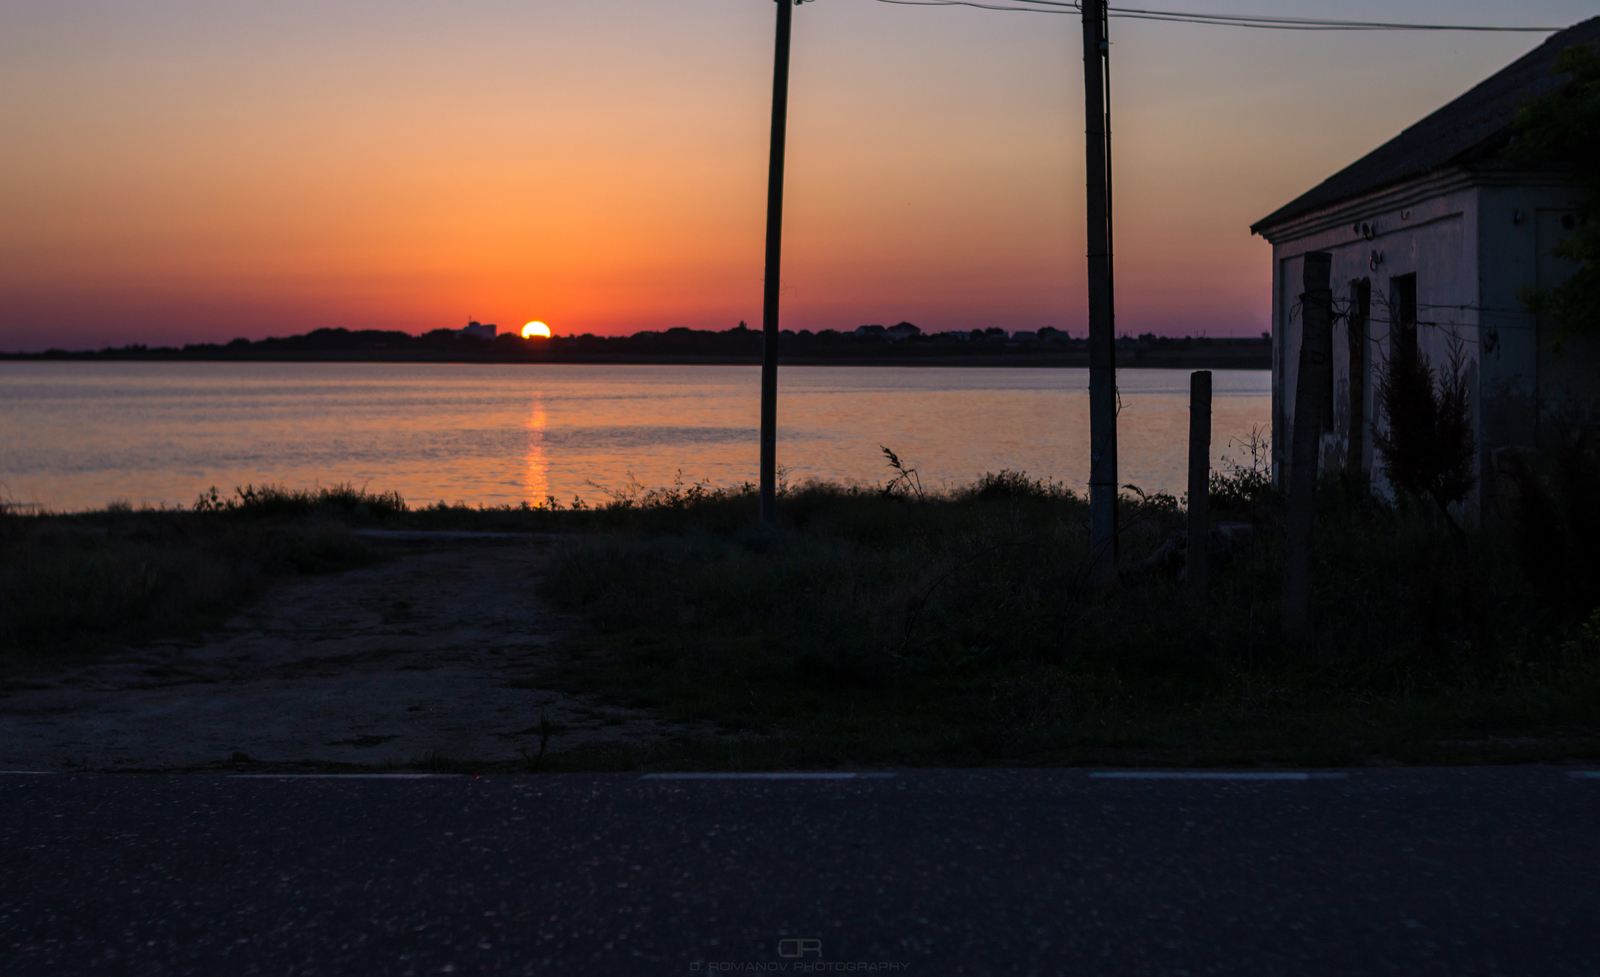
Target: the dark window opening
(1403, 317)
(1360, 313)
(1327, 386)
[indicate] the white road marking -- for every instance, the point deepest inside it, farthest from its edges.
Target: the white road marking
(766, 776)
(1212, 775)
(339, 776)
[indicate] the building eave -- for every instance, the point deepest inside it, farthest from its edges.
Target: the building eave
(1400, 196)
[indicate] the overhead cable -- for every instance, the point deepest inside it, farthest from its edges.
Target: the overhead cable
(1221, 20)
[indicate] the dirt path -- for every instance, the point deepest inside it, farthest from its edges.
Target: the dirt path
(411, 659)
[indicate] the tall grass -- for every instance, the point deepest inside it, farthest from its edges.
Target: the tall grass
(903, 625)
(890, 623)
(276, 501)
(76, 585)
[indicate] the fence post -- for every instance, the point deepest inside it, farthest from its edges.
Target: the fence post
(1199, 570)
(1316, 349)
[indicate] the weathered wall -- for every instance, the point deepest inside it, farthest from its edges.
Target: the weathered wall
(1428, 229)
(1472, 240)
(1527, 391)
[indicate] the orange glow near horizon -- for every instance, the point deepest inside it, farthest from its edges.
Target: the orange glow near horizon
(535, 330)
(195, 173)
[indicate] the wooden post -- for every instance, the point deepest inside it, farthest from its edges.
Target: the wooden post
(1102, 337)
(1199, 480)
(1356, 333)
(769, 299)
(1316, 349)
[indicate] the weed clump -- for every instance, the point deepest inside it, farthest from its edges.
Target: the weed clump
(277, 502)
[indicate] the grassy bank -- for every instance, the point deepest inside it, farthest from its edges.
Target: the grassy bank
(74, 586)
(896, 627)
(887, 625)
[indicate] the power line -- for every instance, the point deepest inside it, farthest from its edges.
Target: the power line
(1305, 23)
(967, 3)
(1222, 20)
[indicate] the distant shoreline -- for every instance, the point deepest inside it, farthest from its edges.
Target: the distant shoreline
(901, 345)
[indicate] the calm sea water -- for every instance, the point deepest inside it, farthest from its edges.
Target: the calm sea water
(80, 435)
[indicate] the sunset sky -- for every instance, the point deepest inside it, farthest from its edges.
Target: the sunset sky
(195, 171)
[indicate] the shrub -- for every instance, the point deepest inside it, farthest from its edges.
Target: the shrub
(1558, 523)
(1427, 447)
(276, 501)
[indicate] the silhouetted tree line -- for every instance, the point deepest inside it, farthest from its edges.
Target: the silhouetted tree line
(739, 344)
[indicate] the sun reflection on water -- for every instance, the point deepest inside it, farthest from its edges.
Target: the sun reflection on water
(536, 479)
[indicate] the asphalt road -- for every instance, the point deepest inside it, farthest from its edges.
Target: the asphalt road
(1418, 871)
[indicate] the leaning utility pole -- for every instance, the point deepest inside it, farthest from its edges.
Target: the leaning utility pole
(1102, 338)
(769, 300)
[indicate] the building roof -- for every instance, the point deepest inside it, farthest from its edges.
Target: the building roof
(1465, 129)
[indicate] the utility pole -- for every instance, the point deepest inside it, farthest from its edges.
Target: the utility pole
(1102, 336)
(769, 300)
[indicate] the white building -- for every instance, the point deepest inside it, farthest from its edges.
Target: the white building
(1432, 234)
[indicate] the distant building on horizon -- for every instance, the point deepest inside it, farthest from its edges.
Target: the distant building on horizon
(479, 329)
(1432, 234)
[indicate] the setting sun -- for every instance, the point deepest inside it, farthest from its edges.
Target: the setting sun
(535, 329)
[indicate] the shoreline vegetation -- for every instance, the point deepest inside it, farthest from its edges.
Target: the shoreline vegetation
(884, 625)
(740, 345)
